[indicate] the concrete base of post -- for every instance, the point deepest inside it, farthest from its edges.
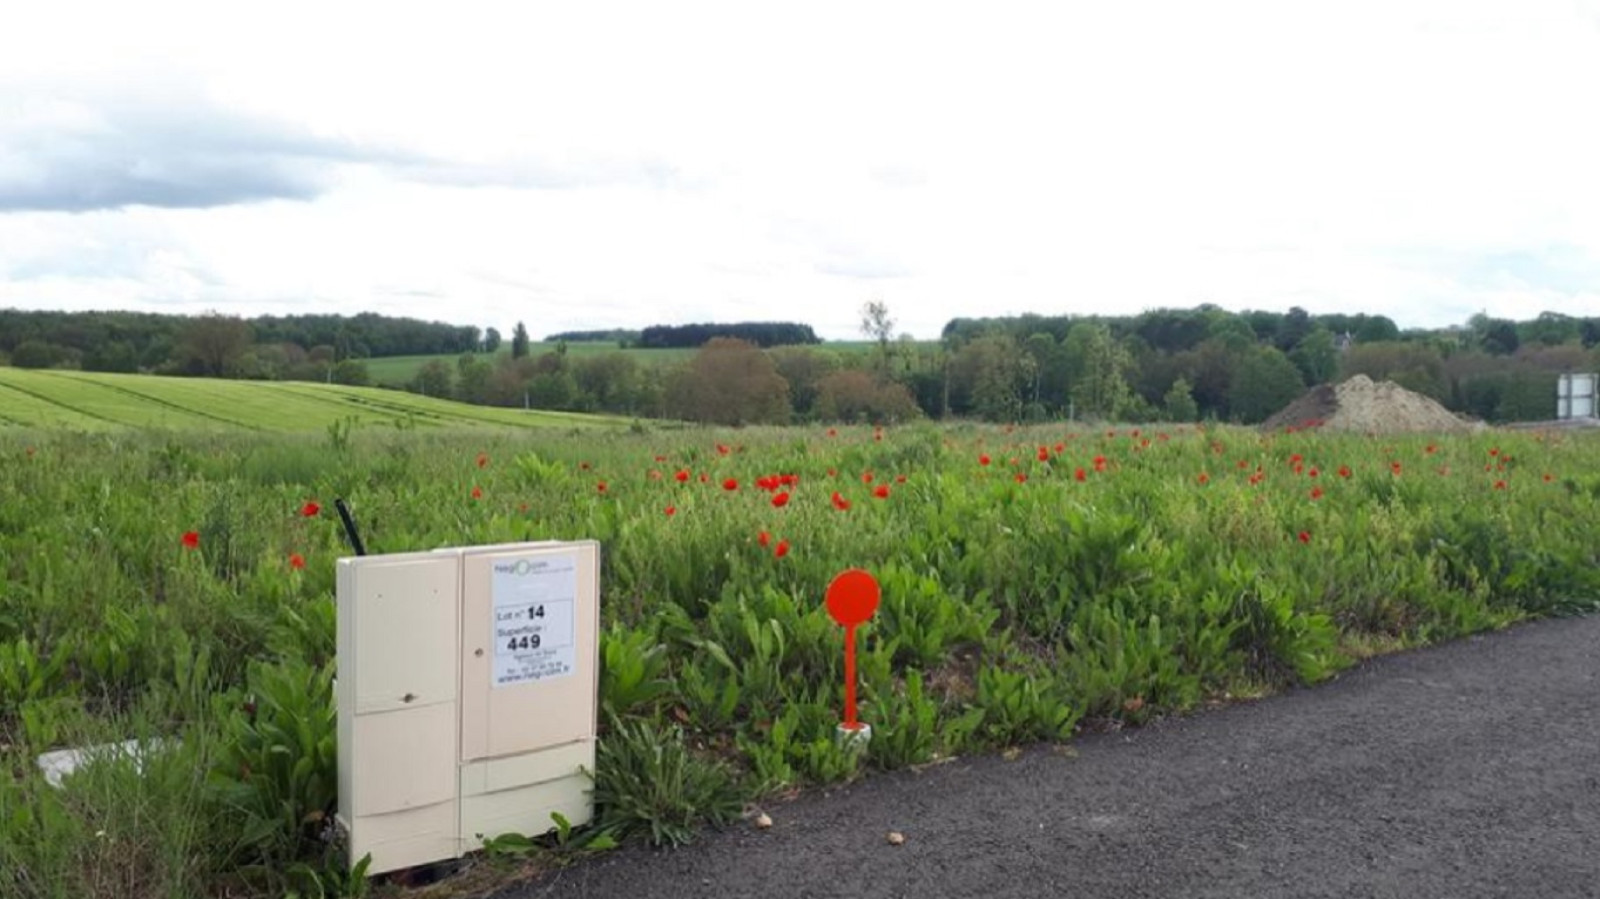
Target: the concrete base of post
(854, 739)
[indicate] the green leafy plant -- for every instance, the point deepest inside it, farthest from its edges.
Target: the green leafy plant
(649, 782)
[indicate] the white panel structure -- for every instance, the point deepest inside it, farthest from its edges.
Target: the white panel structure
(467, 692)
(1576, 396)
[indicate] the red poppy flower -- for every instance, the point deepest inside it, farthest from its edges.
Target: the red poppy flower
(671, 511)
(1499, 485)
(1305, 536)
(781, 550)
(682, 476)
(297, 561)
(1298, 468)
(705, 478)
(1344, 471)
(1431, 449)
(601, 486)
(840, 503)
(523, 508)
(764, 538)
(1044, 454)
(310, 510)
(661, 458)
(1080, 475)
(899, 479)
(1296, 459)
(1061, 448)
(191, 539)
(730, 484)
(1549, 477)
(1099, 463)
(866, 477)
(833, 472)
(483, 460)
(1312, 473)
(1241, 465)
(477, 493)
(722, 450)
(984, 459)
(1204, 478)
(1394, 467)
(780, 500)
(1021, 478)
(1495, 451)
(655, 475)
(1316, 493)
(882, 491)
(833, 432)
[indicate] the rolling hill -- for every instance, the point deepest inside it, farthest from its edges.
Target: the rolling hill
(84, 401)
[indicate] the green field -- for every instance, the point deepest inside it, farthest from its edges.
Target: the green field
(1037, 582)
(89, 402)
(399, 370)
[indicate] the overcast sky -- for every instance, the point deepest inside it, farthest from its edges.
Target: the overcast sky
(591, 165)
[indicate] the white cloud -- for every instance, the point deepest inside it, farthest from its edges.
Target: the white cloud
(600, 165)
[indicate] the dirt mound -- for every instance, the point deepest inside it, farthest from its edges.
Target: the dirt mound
(1366, 407)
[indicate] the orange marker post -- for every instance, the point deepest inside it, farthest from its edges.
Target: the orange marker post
(852, 600)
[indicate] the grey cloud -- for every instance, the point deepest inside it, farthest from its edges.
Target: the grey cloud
(176, 148)
(183, 151)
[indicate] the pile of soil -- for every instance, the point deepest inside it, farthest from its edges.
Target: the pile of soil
(1366, 407)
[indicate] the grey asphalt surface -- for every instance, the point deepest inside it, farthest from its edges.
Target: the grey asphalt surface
(1470, 769)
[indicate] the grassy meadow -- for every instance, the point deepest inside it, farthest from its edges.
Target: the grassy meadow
(1037, 582)
(85, 401)
(399, 370)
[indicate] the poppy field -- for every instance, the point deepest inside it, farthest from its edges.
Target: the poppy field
(1037, 583)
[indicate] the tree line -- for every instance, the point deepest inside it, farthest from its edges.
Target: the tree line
(1166, 364)
(293, 347)
(762, 334)
(1175, 365)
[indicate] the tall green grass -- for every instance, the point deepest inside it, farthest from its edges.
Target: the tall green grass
(1022, 601)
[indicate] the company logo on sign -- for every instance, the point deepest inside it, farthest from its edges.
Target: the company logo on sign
(520, 567)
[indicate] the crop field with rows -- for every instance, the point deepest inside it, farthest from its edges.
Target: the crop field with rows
(1037, 582)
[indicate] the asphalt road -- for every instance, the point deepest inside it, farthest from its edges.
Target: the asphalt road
(1466, 770)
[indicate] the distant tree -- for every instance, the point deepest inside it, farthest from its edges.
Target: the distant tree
(211, 343)
(879, 326)
(1550, 329)
(472, 381)
(1316, 356)
(609, 382)
(552, 390)
(491, 340)
(352, 372)
(1502, 338)
(1292, 329)
(1179, 402)
(1099, 366)
(1374, 328)
(434, 379)
(1413, 366)
(855, 395)
(987, 378)
(730, 382)
(519, 341)
(1265, 382)
(36, 354)
(803, 368)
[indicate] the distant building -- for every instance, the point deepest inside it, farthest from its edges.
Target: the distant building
(1576, 396)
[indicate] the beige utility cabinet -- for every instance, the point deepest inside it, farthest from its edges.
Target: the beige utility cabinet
(467, 690)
